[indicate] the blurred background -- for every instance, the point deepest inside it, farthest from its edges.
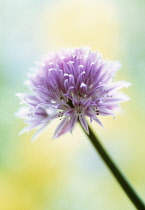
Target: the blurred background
(66, 173)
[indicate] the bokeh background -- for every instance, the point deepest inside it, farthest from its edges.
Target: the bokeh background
(66, 173)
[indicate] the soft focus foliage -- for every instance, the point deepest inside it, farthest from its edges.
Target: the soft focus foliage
(66, 173)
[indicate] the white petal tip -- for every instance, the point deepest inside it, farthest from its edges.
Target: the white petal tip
(33, 139)
(21, 132)
(88, 132)
(17, 94)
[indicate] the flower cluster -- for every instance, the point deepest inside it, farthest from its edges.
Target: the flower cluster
(71, 84)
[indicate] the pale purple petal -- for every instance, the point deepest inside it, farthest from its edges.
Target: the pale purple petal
(36, 134)
(62, 128)
(95, 118)
(73, 120)
(51, 117)
(84, 123)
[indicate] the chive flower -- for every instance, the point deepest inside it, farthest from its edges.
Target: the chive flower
(72, 85)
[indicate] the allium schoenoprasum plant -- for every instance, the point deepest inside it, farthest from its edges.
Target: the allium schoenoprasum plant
(71, 84)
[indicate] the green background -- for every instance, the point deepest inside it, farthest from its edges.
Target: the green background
(66, 173)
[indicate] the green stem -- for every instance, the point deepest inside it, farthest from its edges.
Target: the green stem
(116, 172)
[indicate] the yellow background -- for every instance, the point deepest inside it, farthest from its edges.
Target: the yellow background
(66, 173)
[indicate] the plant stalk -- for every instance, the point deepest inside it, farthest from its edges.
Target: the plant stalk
(116, 172)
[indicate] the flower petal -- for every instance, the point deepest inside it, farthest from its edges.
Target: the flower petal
(36, 134)
(73, 120)
(29, 128)
(97, 120)
(84, 123)
(62, 128)
(52, 117)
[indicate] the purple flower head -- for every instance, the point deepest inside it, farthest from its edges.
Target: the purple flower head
(71, 84)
